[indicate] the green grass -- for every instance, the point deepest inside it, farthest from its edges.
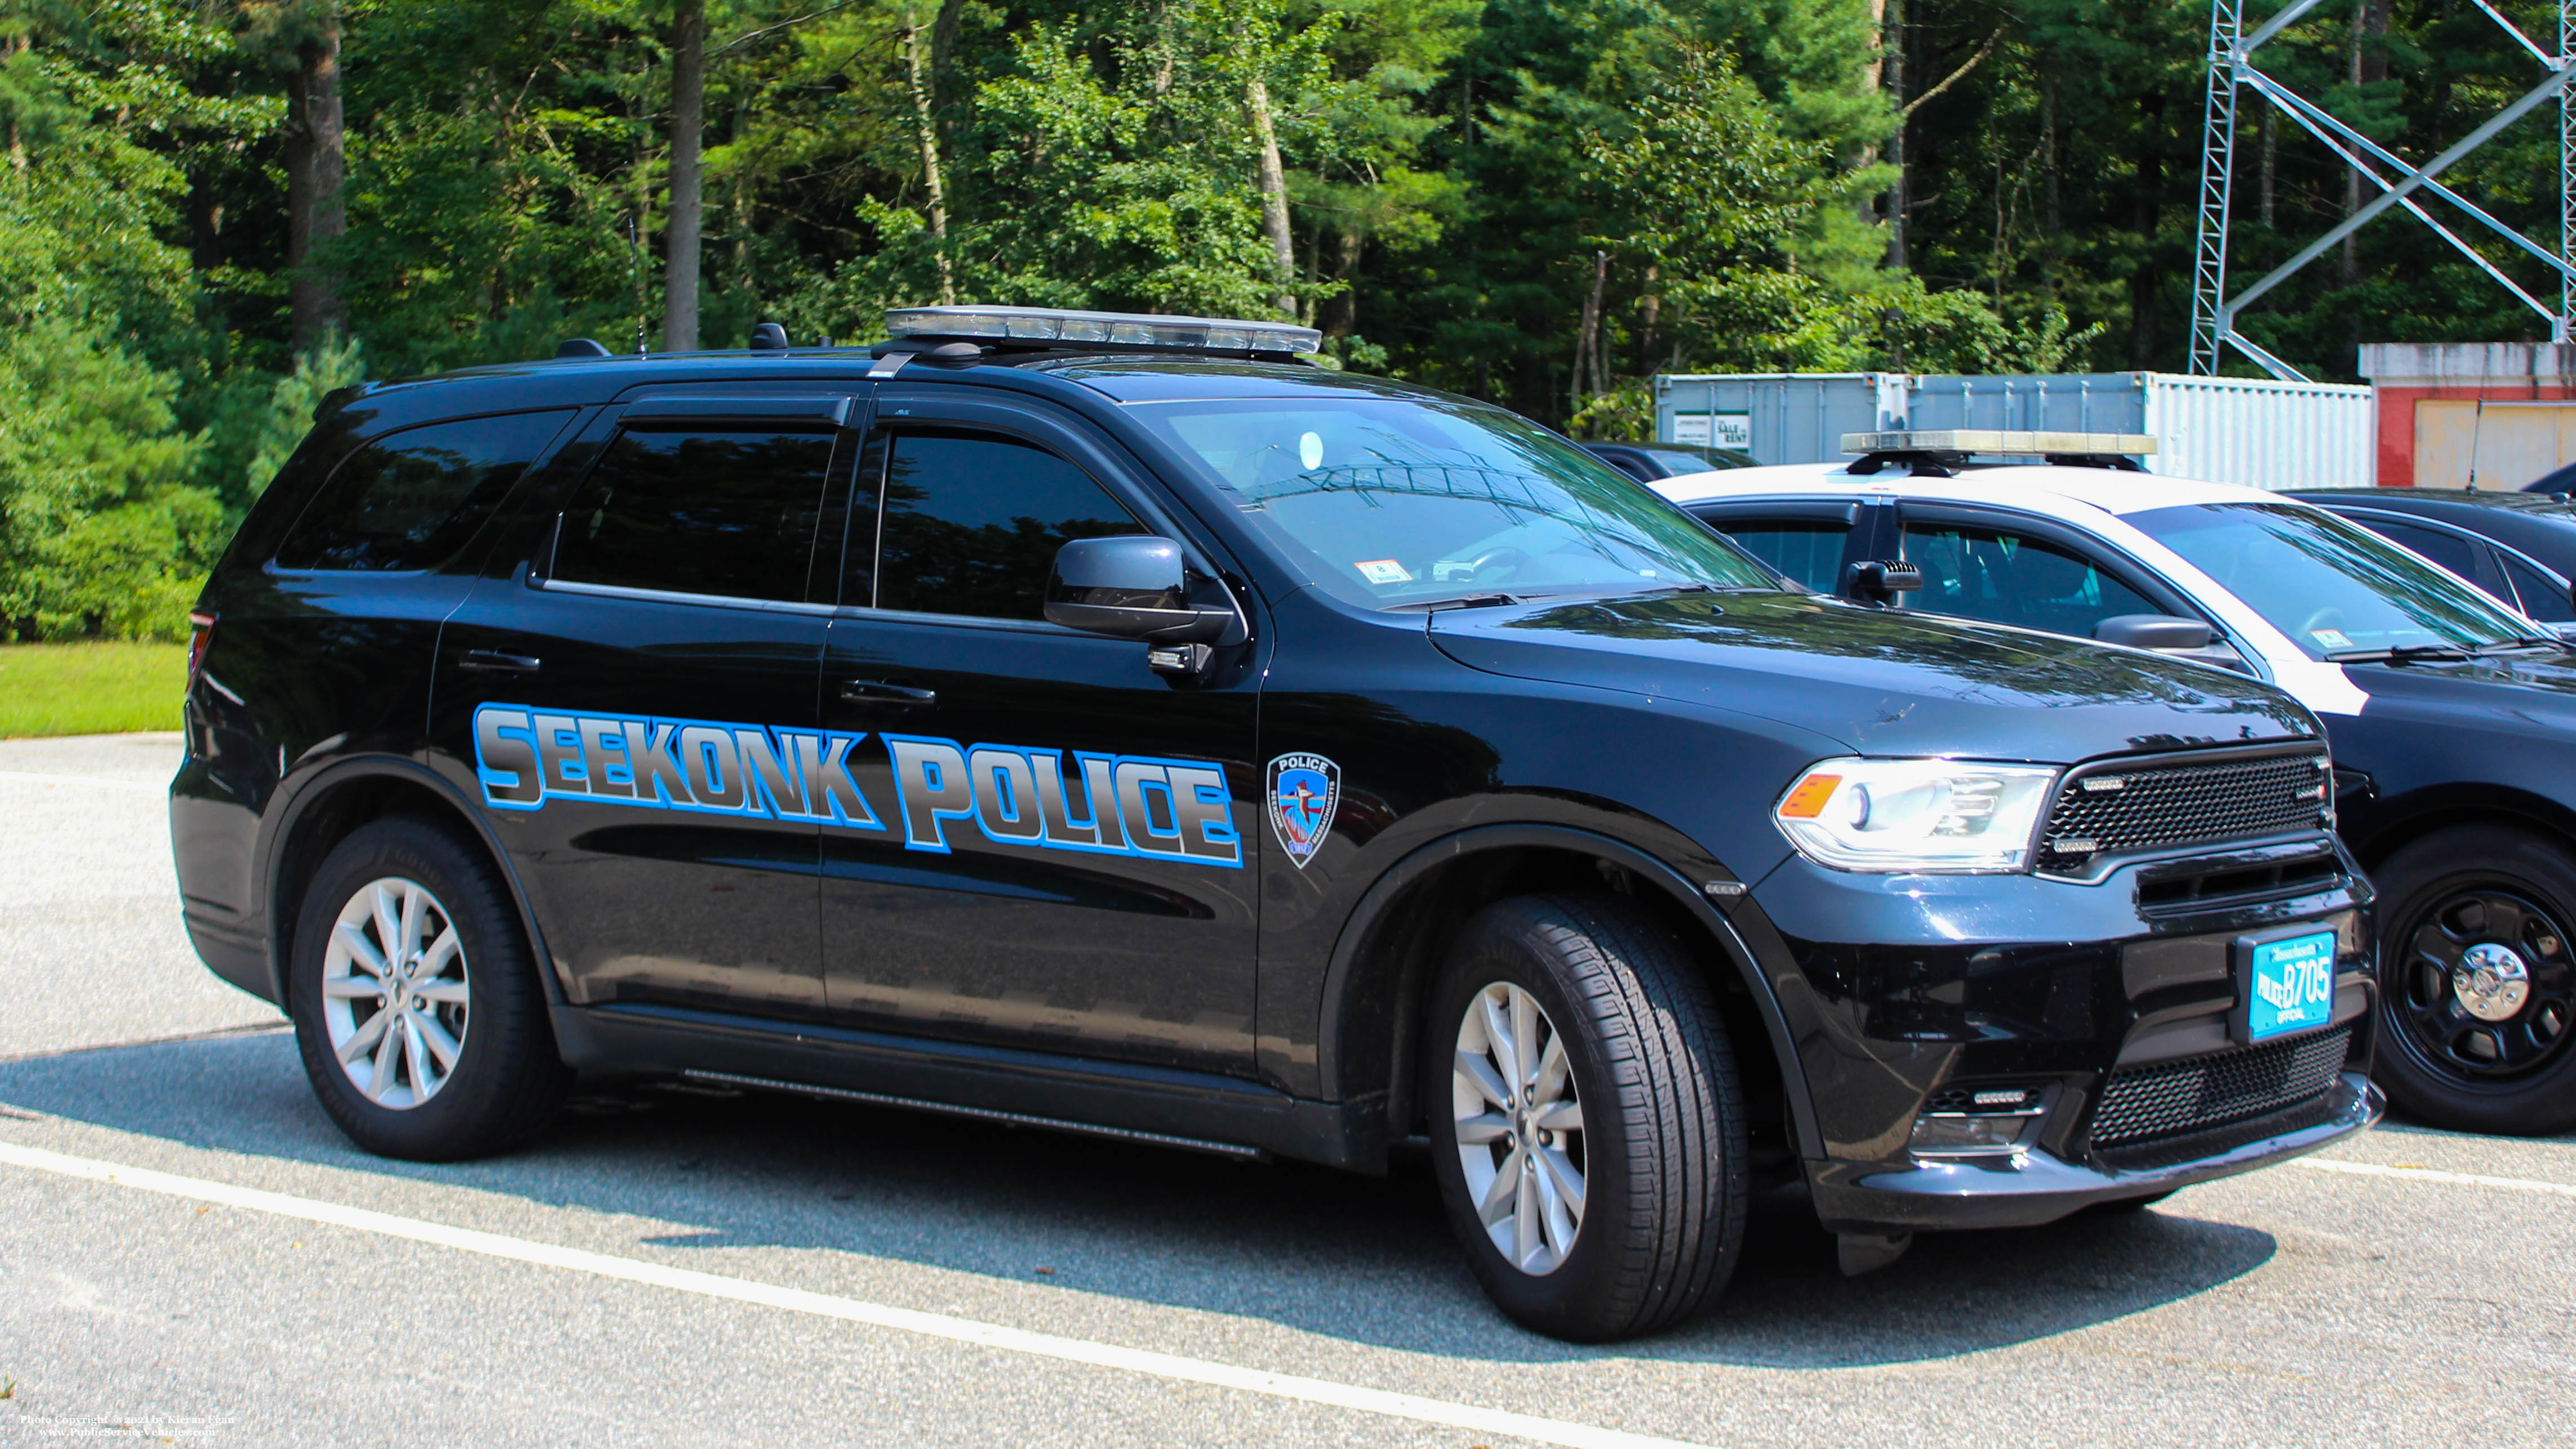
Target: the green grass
(90, 689)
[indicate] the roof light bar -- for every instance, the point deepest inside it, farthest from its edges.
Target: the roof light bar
(1117, 329)
(2015, 445)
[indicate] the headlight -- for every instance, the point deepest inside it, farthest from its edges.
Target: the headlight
(1915, 815)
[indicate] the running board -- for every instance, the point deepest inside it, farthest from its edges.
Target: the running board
(982, 1114)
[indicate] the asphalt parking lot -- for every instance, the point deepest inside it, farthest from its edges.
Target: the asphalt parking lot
(189, 1252)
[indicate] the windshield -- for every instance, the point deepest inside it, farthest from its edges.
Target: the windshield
(2332, 586)
(1389, 502)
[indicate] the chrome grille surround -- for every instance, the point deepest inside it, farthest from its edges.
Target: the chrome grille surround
(2168, 1099)
(2203, 797)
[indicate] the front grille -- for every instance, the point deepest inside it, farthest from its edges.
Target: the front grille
(2168, 1099)
(2109, 808)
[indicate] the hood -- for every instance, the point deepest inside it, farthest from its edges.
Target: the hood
(1883, 683)
(2537, 690)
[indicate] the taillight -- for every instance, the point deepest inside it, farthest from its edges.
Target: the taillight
(201, 636)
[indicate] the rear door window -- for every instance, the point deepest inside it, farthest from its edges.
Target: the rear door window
(729, 513)
(970, 524)
(2450, 550)
(410, 500)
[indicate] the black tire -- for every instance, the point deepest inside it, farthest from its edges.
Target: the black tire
(505, 1082)
(2460, 890)
(1664, 1162)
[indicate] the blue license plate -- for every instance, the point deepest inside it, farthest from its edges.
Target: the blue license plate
(2291, 986)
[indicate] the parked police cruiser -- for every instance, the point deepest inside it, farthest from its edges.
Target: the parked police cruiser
(1114, 723)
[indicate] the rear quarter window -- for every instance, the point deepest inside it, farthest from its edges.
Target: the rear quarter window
(411, 499)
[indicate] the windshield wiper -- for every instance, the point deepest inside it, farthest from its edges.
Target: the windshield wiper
(2521, 641)
(2396, 654)
(1462, 601)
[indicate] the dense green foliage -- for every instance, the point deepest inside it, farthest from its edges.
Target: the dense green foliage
(1543, 202)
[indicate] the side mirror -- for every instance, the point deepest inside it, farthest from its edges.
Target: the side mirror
(2154, 631)
(1130, 587)
(1879, 581)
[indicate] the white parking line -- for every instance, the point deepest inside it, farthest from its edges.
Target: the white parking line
(2426, 1174)
(32, 778)
(936, 1325)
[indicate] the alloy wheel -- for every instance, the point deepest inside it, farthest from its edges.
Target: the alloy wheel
(394, 996)
(2486, 986)
(1519, 1128)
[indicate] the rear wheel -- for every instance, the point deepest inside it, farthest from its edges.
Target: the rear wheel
(2477, 990)
(415, 1000)
(1588, 1127)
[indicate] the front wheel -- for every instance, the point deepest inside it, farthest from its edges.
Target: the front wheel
(2477, 988)
(1587, 1125)
(415, 998)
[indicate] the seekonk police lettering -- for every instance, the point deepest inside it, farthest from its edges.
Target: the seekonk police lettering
(1178, 810)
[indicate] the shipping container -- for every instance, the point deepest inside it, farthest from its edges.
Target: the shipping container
(1778, 417)
(2258, 432)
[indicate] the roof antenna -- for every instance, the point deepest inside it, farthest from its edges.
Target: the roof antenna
(2477, 424)
(769, 337)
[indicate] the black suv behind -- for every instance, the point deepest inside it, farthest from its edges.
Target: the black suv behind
(1189, 745)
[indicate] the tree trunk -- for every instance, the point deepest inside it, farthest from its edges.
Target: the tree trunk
(2053, 224)
(741, 227)
(1587, 337)
(1650, 310)
(926, 133)
(1872, 77)
(2146, 284)
(11, 49)
(1274, 199)
(317, 163)
(1339, 314)
(1893, 49)
(688, 126)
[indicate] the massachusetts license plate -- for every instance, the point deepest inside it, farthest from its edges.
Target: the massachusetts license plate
(2290, 986)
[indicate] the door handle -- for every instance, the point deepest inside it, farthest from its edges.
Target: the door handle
(500, 663)
(873, 691)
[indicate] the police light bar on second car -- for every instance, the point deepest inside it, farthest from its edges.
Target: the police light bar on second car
(2011, 445)
(1044, 325)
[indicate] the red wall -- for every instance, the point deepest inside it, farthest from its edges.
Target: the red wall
(2395, 409)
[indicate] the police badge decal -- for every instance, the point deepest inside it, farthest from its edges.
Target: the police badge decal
(1304, 790)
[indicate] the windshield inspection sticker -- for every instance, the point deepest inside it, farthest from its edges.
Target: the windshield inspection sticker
(1384, 571)
(2330, 638)
(1304, 792)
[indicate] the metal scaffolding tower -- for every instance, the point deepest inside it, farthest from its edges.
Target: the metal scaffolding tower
(2231, 68)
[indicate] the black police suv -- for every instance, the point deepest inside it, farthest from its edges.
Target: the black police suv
(1116, 724)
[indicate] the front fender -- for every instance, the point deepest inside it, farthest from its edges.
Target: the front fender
(1365, 1017)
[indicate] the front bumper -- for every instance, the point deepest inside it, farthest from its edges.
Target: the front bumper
(2033, 1187)
(1905, 992)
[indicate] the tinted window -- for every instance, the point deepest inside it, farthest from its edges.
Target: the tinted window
(1808, 550)
(2447, 549)
(411, 499)
(730, 513)
(2004, 577)
(2543, 598)
(971, 524)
